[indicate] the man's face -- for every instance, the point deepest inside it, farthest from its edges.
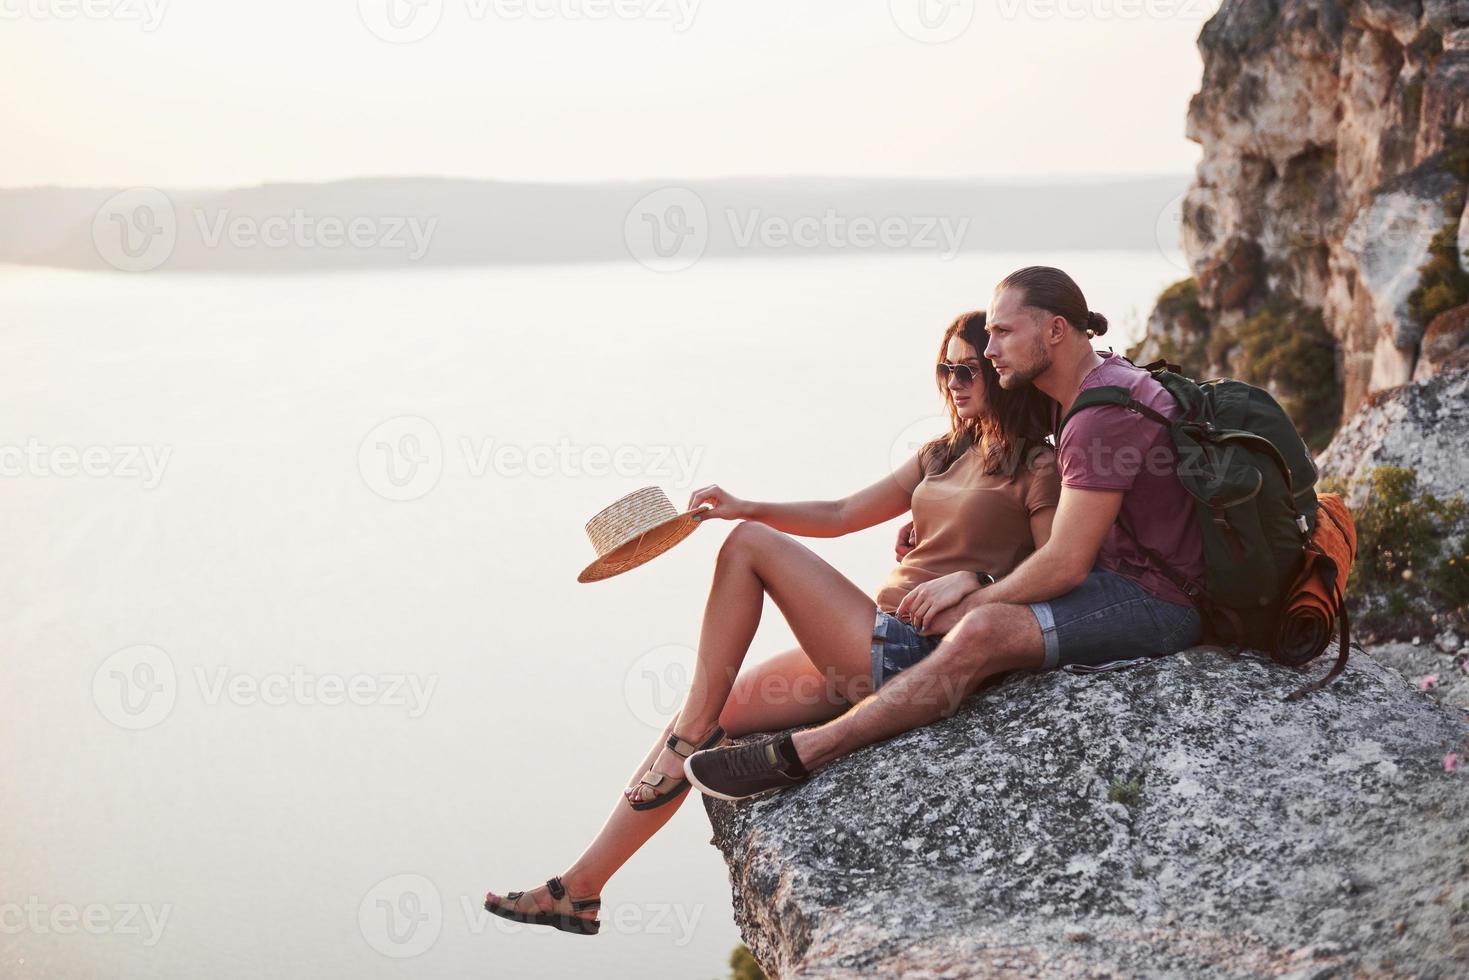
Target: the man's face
(1015, 347)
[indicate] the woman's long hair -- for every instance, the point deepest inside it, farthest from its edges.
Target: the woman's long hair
(1012, 423)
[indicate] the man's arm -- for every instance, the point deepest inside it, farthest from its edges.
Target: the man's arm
(1083, 518)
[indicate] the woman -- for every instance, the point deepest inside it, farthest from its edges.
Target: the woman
(983, 498)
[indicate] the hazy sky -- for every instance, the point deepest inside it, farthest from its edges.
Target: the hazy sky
(208, 93)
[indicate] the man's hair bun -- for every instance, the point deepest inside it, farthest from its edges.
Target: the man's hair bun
(1096, 323)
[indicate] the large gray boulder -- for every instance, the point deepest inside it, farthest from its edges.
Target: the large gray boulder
(1173, 819)
(1423, 426)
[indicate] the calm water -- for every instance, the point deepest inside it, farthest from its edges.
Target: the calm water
(296, 665)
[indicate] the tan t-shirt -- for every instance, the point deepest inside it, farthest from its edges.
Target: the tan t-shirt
(968, 520)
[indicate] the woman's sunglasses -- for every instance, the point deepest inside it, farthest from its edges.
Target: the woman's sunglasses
(963, 372)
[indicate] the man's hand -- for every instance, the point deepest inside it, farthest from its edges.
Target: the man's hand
(950, 617)
(1083, 519)
(921, 606)
(907, 541)
(945, 620)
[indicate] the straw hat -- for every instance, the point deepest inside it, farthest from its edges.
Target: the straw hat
(633, 530)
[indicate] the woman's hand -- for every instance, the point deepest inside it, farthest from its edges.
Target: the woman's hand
(922, 606)
(725, 504)
(907, 540)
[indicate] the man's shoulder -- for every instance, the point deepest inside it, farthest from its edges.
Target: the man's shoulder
(1115, 370)
(1119, 371)
(1110, 425)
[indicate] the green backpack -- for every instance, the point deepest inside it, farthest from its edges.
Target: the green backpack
(1253, 481)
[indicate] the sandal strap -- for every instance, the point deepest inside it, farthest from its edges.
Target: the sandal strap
(679, 744)
(558, 892)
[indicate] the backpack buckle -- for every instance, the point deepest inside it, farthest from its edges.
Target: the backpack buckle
(1301, 523)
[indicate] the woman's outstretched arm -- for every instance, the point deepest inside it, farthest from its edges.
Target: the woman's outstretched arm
(889, 497)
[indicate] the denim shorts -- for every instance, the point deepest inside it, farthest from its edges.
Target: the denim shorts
(896, 646)
(1111, 620)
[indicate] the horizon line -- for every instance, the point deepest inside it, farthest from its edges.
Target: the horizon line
(1036, 180)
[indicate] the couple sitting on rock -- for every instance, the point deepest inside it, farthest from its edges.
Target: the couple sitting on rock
(1026, 558)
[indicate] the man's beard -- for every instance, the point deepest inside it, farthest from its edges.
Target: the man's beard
(1040, 363)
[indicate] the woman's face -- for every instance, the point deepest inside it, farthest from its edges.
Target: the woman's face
(968, 399)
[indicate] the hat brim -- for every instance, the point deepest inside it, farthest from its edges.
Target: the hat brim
(643, 548)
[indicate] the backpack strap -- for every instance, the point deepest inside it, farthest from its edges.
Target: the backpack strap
(1153, 367)
(1116, 395)
(1344, 648)
(1193, 590)
(1109, 395)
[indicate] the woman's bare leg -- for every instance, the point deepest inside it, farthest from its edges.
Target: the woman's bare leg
(831, 617)
(782, 692)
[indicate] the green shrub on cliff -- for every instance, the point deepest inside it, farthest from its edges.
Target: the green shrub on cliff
(742, 965)
(1287, 349)
(1409, 563)
(1443, 282)
(1185, 343)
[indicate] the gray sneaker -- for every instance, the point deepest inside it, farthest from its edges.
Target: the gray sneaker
(736, 772)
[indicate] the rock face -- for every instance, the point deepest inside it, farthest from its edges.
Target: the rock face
(1445, 343)
(1171, 819)
(1335, 142)
(1422, 426)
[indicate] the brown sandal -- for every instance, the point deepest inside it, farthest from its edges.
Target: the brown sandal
(565, 922)
(681, 747)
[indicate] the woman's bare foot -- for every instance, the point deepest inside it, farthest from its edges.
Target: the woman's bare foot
(669, 762)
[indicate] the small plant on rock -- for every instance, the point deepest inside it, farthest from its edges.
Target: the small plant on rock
(1128, 793)
(1411, 562)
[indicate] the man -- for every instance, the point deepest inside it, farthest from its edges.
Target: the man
(1094, 594)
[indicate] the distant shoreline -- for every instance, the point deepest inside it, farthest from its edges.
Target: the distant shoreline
(413, 222)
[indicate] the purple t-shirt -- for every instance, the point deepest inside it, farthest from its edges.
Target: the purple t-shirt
(1110, 448)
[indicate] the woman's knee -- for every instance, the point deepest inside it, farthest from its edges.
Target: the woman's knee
(746, 538)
